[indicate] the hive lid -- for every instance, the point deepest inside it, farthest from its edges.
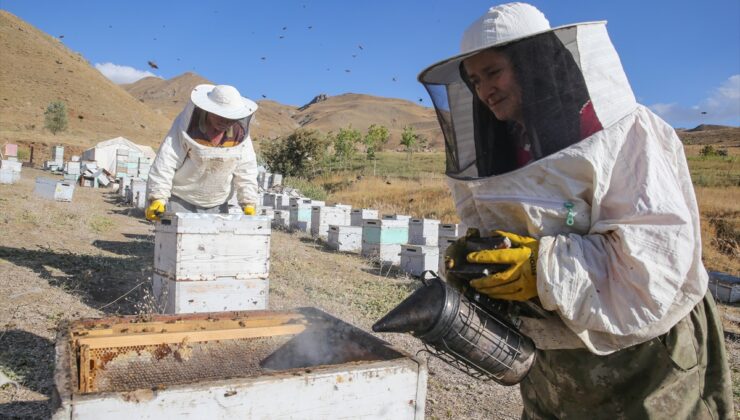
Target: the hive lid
(213, 223)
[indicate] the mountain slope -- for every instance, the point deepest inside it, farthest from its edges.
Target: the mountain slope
(38, 69)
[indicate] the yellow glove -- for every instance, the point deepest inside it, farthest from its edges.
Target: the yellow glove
(249, 210)
(155, 209)
(519, 281)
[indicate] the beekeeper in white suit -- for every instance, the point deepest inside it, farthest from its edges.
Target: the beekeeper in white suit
(547, 145)
(206, 155)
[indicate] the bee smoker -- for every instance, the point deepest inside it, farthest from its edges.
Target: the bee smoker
(472, 333)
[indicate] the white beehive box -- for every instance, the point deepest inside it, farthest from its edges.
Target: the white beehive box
(424, 232)
(73, 167)
(415, 259)
(300, 364)
(8, 176)
(452, 230)
(396, 217)
(382, 239)
(268, 212)
(323, 216)
(52, 189)
(277, 179)
(444, 243)
(268, 199)
(281, 219)
(222, 294)
(301, 212)
(724, 287)
(191, 246)
(345, 238)
(358, 216)
(11, 165)
(282, 202)
(138, 193)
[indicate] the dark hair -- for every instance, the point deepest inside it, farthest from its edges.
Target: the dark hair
(553, 94)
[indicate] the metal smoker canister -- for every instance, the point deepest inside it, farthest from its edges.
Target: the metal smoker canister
(461, 333)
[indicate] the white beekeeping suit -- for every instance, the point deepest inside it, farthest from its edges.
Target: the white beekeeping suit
(201, 175)
(614, 210)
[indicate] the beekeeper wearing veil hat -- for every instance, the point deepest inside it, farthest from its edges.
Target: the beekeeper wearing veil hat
(546, 144)
(206, 156)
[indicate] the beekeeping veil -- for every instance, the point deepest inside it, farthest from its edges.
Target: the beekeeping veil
(224, 101)
(571, 83)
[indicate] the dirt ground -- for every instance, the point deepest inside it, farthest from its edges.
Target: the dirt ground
(93, 257)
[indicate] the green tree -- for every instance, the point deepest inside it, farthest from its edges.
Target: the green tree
(376, 137)
(300, 154)
(345, 144)
(409, 140)
(56, 117)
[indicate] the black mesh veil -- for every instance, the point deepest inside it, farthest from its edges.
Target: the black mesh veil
(555, 109)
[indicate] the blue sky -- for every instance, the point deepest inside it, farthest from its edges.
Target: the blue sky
(682, 57)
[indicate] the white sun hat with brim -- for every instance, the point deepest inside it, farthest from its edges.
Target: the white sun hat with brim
(222, 100)
(500, 25)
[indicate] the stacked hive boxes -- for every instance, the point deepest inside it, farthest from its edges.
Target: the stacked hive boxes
(382, 239)
(211, 262)
(127, 163)
(145, 164)
(323, 216)
(57, 159)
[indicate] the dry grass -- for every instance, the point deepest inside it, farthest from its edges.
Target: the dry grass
(720, 227)
(426, 197)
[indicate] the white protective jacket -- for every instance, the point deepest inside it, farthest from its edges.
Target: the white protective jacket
(201, 175)
(629, 268)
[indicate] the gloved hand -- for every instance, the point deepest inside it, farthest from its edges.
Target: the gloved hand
(519, 281)
(249, 210)
(455, 259)
(155, 209)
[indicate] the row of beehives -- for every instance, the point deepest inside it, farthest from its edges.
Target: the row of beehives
(132, 190)
(414, 244)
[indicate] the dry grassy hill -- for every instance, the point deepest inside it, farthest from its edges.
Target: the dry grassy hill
(37, 69)
(167, 97)
(360, 111)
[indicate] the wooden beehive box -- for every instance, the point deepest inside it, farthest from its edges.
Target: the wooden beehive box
(292, 364)
(415, 259)
(211, 262)
(345, 238)
(382, 239)
(358, 216)
(423, 231)
(323, 216)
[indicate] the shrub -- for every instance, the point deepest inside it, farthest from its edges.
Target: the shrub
(55, 117)
(299, 154)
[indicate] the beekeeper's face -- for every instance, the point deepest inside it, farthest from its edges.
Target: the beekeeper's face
(220, 123)
(492, 76)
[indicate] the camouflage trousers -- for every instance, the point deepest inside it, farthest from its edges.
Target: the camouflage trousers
(681, 375)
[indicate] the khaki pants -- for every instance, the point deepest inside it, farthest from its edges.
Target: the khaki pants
(681, 375)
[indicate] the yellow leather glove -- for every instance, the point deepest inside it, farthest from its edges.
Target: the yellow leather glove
(155, 209)
(249, 210)
(519, 281)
